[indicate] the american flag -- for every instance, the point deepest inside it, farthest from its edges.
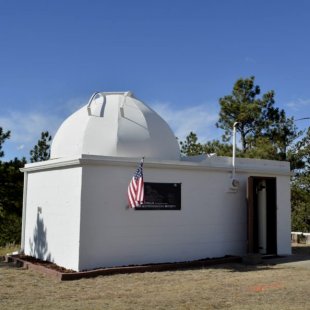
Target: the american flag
(136, 187)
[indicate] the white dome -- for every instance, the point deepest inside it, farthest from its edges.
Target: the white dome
(115, 124)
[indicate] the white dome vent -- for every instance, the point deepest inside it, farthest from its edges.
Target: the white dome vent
(115, 124)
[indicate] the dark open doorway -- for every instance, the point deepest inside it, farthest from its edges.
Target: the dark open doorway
(262, 215)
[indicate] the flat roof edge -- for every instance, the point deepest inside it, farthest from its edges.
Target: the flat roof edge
(212, 163)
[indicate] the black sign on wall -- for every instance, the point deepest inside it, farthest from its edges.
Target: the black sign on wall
(161, 196)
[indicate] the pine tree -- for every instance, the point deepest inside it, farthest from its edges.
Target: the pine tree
(3, 137)
(41, 151)
(265, 130)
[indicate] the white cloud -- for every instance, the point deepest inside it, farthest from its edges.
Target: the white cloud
(25, 130)
(200, 119)
(299, 104)
(71, 105)
(26, 127)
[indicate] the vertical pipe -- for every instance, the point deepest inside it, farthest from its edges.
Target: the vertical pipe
(234, 151)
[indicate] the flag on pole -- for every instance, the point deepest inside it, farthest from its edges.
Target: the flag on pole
(136, 187)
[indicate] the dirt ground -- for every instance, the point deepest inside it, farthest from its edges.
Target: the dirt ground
(271, 285)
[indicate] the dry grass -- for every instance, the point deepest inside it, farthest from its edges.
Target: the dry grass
(9, 249)
(233, 286)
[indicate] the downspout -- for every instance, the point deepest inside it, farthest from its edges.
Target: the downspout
(22, 246)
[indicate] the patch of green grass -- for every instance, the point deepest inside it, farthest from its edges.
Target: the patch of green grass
(9, 248)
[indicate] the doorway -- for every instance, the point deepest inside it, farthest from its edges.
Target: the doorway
(262, 215)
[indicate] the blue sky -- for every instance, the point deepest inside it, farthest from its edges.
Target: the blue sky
(179, 57)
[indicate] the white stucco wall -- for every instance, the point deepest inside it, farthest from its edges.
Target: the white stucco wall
(211, 222)
(85, 223)
(52, 216)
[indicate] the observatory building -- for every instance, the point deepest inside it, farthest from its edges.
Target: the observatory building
(75, 208)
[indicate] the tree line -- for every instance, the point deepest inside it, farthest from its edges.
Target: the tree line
(265, 132)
